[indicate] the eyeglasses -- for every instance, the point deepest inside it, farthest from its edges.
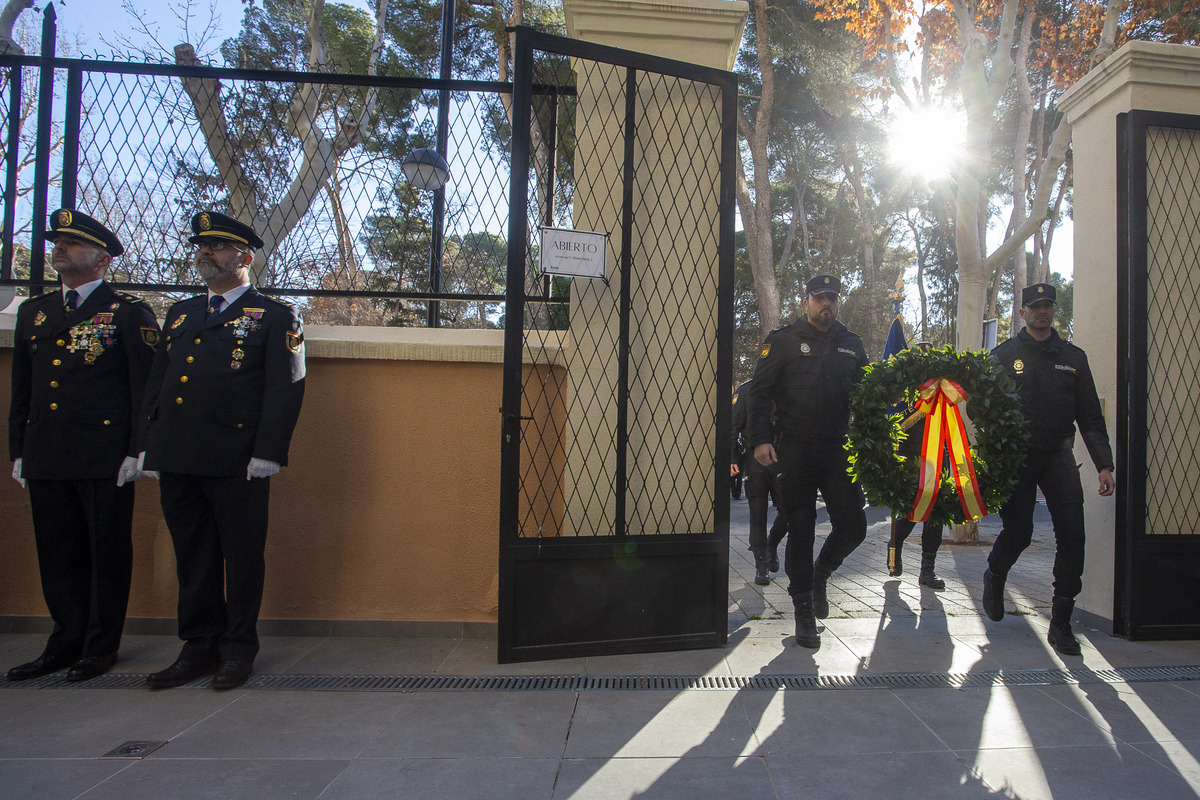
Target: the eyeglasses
(217, 247)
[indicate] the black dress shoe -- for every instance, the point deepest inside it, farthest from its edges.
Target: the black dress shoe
(90, 666)
(232, 674)
(179, 673)
(42, 665)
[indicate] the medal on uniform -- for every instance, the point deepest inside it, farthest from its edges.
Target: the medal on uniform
(40, 319)
(236, 365)
(239, 354)
(178, 321)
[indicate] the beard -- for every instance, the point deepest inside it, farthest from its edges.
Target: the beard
(210, 270)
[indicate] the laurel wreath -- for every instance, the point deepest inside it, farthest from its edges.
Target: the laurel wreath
(890, 478)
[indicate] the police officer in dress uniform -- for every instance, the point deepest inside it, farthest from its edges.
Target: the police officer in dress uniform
(1057, 393)
(220, 407)
(80, 359)
(760, 486)
(806, 370)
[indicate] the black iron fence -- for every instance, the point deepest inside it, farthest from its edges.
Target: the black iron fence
(312, 160)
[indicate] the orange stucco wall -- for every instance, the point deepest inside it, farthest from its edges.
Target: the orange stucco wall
(389, 510)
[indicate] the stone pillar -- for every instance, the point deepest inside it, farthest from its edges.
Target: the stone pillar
(1145, 76)
(674, 273)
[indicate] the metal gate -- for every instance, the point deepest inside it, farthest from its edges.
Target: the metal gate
(1158, 415)
(614, 523)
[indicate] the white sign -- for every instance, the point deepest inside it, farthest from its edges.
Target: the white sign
(582, 254)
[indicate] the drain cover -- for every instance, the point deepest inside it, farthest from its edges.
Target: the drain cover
(134, 750)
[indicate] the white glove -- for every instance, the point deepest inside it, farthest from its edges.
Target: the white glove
(261, 468)
(17, 473)
(149, 473)
(128, 471)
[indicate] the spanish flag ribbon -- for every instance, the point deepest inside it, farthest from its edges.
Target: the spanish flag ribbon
(939, 399)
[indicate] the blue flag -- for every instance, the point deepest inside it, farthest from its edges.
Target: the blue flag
(895, 339)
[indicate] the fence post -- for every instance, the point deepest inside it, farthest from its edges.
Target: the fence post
(11, 159)
(71, 121)
(41, 166)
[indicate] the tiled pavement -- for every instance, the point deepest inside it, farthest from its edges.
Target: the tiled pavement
(1064, 739)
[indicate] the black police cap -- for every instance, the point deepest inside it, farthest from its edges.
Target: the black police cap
(823, 283)
(1036, 293)
(68, 221)
(210, 225)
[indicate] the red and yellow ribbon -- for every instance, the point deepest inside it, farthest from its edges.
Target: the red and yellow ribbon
(944, 430)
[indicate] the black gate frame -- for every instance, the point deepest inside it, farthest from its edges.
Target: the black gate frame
(1154, 592)
(690, 573)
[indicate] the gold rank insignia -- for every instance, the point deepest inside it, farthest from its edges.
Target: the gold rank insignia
(178, 321)
(804, 348)
(150, 335)
(1019, 367)
(64, 218)
(294, 341)
(766, 351)
(205, 222)
(40, 319)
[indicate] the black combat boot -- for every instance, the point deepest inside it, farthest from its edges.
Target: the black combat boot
(761, 577)
(895, 565)
(773, 557)
(993, 595)
(807, 634)
(1059, 635)
(927, 576)
(820, 598)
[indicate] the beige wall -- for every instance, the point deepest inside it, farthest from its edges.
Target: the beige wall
(389, 510)
(1141, 75)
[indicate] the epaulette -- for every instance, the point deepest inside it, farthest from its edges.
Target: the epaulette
(281, 301)
(127, 297)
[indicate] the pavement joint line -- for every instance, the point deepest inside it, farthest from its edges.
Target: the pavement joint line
(579, 682)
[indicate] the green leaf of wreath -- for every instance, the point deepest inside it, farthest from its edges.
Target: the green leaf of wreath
(889, 478)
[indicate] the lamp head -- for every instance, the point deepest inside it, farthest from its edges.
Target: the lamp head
(425, 169)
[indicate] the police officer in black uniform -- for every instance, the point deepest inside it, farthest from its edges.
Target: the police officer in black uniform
(220, 407)
(1057, 393)
(806, 371)
(760, 486)
(80, 360)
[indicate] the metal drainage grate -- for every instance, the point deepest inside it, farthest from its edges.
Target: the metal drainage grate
(584, 683)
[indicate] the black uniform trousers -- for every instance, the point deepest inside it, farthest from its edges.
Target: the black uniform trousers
(219, 529)
(1056, 472)
(810, 465)
(931, 534)
(85, 557)
(761, 487)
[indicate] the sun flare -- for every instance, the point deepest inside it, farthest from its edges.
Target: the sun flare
(926, 143)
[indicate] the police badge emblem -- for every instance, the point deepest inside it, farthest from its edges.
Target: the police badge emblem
(40, 319)
(205, 222)
(150, 336)
(804, 348)
(178, 321)
(1019, 367)
(766, 351)
(294, 341)
(64, 218)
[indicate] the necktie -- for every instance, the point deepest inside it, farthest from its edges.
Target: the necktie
(214, 306)
(72, 301)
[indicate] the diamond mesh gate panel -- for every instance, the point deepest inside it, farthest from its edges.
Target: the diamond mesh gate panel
(1173, 330)
(620, 386)
(314, 164)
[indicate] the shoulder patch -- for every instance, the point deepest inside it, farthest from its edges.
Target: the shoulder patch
(766, 350)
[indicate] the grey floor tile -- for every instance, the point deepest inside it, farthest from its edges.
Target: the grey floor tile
(15, 701)
(270, 725)
(910, 653)
(475, 725)
(445, 779)
(19, 648)
(282, 653)
(1115, 652)
(775, 656)
(999, 718)
(145, 654)
(358, 656)
(478, 657)
(655, 724)
(676, 662)
(1028, 650)
(1077, 773)
(53, 779)
(929, 776)
(214, 779)
(852, 722)
(1180, 757)
(663, 779)
(1135, 713)
(86, 723)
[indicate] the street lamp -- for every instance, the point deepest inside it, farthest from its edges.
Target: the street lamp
(425, 169)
